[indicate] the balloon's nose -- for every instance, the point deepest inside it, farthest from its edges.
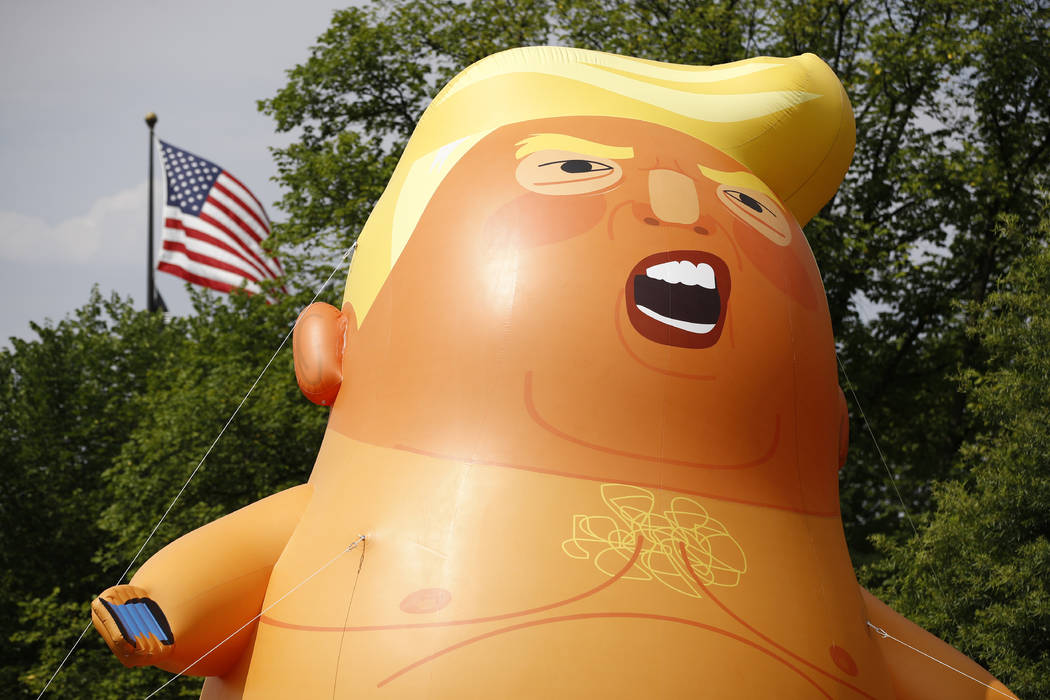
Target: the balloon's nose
(673, 197)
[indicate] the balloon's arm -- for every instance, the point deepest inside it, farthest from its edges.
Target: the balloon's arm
(198, 590)
(948, 675)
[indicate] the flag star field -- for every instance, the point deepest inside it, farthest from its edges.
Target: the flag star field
(190, 178)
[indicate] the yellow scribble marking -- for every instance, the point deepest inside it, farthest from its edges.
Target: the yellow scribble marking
(714, 556)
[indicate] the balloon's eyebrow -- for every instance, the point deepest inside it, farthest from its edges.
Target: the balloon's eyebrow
(738, 178)
(564, 142)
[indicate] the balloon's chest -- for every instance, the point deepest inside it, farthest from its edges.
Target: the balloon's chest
(479, 580)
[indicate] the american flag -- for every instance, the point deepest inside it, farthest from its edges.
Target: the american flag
(213, 226)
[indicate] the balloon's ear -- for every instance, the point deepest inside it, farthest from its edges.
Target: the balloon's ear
(321, 335)
(843, 429)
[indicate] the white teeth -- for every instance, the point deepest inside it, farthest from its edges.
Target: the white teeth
(667, 272)
(684, 272)
(698, 328)
(705, 276)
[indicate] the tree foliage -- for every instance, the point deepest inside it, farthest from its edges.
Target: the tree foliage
(977, 572)
(69, 402)
(109, 412)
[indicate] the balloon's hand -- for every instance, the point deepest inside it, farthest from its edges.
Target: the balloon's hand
(133, 626)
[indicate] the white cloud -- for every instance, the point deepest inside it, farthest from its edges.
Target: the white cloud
(112, 231)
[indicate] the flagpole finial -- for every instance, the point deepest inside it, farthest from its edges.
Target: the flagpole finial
(151, 119)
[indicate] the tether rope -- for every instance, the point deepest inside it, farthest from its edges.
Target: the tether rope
(886, 635)
(882, 458)
(349, 252)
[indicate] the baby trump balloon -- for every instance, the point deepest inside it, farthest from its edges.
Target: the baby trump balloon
(585, 415)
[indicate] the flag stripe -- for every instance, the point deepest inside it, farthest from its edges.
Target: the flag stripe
(234, 225)
(198, 234)
(197, 254)
(249, 193)
(174, 269)
(222, 228)
(246, 202)
(236, 212)
(242, 205)
(204, 226)
(233, 281)
(221, 212)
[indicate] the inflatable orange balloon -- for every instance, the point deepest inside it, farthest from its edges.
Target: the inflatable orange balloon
(585, 414)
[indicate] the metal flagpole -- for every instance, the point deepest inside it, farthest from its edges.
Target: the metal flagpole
(151, 294)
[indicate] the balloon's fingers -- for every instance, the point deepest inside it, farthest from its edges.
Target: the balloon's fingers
(133, 626)
(123, 649)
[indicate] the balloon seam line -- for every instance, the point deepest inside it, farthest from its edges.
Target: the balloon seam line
(352, 545)
(346, 620)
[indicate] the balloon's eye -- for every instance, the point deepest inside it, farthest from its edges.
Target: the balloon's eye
(579, 166)
(759, 211)
(746, 199)
(567, 173)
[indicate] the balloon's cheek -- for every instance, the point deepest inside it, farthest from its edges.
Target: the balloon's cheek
(535, 219)
(784, 266)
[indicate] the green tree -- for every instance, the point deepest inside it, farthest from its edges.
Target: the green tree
(112, 410)
(919, 212)
(69, 400)
(978, 572)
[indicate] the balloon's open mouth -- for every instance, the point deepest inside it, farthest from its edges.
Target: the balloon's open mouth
(679, 298)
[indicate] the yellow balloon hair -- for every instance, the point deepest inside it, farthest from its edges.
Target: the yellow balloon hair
(787, 119)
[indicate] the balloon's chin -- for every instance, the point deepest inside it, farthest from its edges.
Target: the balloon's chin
(698, 444)
(679, 298)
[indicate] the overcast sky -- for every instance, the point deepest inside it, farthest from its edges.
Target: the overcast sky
(76, 80)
